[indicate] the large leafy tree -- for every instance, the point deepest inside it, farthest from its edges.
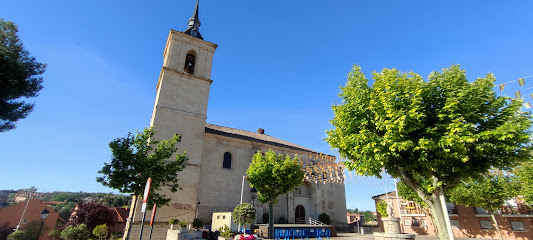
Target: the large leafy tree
(430, 134)
(19, 77)
(137, 157)
(273, 175)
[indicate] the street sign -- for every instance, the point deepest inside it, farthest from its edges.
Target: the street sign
(147, 190)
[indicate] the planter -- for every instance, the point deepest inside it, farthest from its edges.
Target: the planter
(172, 234)
(197, 234)
(183, 230)
(223, 238)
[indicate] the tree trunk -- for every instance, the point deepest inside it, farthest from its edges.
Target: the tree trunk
(271, 219)
(496, 224)
(446, 216)
(434, 202)
(127, 229)
(438, 216)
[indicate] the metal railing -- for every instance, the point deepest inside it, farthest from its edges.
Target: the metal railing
(312, 221)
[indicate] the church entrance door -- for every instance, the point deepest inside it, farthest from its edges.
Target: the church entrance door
(299, 215)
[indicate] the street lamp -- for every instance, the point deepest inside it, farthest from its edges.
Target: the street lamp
(358, 220)
(253, 191)
(44, 216)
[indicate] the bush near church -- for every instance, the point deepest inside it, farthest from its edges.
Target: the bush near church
(324, 218)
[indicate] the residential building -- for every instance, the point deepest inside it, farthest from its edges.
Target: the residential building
(515, 219)
(25, 212)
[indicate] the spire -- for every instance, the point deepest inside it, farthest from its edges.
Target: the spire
(194, 24)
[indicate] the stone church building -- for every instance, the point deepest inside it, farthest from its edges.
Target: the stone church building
(219, 156)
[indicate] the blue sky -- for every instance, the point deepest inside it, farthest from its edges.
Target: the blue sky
(278, 66)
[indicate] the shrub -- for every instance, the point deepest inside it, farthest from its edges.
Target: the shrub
(116, 236)
(381, 207)
(173, 221)
(225, 232)
(324, 218)
(243, 214)
(197, 223)
(18, 235)
(101, 231)
(55, 234)
(79, 232)
(184, 224)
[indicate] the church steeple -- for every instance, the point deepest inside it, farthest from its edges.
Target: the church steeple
(194, 24)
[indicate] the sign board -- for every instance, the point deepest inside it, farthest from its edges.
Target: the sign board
(147, 190)
(143, 208)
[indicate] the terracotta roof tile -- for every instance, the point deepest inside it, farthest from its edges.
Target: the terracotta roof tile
(252, 136)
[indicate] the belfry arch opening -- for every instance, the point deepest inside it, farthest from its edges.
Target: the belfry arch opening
(190, 62)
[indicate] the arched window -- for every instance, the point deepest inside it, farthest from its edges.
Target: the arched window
(190, 61)
(227, 160)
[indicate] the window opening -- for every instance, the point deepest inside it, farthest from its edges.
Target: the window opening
(518, 226)
(227, 160)
(485, 224)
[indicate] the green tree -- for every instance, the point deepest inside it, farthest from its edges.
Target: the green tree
(19, 77)
(489, 191)
(137, 157)
(368, 216)
(72, 232)
(65, 209)
(431, 134)
(381, 207)
(524, 172)
(101, 231)
(243, 213)
(273, 175)
(67, 197)
(113, 200)
(32, 229)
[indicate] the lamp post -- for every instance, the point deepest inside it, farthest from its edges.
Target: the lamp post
(253, 193)
(44, 216)
(358, 220)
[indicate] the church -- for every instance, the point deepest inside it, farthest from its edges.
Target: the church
(219, 156)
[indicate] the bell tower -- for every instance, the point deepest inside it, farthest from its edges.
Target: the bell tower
(181, 106)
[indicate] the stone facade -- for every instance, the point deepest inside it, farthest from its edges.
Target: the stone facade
(181, 108)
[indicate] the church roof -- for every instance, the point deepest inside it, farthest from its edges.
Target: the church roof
(252, 136)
